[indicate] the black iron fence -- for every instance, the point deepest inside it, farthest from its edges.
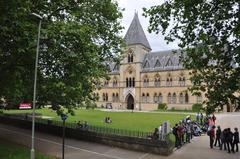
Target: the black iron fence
(87, 127)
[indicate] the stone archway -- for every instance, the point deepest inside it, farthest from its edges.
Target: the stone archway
(130, 102)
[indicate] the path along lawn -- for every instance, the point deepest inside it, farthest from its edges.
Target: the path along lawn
(137, 121)
(13, 151)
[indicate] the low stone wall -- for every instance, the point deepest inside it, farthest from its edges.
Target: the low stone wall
(132, 143)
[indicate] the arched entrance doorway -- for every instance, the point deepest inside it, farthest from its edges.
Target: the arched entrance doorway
(130, 102)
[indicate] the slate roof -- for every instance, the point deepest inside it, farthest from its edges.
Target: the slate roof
(135, 34)
(113, 67)
(162, 60)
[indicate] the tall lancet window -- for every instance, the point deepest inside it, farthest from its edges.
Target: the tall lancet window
(130, 55)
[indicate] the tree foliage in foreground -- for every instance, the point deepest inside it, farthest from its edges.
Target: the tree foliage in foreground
(76, 37)
(209, 34)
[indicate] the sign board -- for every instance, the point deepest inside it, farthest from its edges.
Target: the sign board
(25, 106)
(166, 127)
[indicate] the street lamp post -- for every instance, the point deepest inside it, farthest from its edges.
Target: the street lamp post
(64, 117)
(35, 84)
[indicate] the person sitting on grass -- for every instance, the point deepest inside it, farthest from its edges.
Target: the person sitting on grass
(108, 120)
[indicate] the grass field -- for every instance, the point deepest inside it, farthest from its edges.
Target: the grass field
(13, 151)
(137, 121)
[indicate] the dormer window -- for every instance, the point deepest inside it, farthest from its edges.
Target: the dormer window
(157, 64)
(169, 62)
(146, 65)
(116, 67)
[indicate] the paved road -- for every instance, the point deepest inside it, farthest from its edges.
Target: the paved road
(198, 149)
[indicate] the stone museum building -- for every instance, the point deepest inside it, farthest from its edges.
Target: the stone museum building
(145, 78)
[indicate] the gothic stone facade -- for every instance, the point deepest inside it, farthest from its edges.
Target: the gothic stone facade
(144, 78)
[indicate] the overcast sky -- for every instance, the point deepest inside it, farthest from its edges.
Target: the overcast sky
(157, 42)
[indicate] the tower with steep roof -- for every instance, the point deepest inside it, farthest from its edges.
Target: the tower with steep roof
(137, 47)
(135, 34)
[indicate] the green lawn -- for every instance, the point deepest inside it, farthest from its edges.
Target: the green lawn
(138, 121)
(13, 151)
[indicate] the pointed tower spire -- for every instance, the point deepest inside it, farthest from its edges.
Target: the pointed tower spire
(135, 34)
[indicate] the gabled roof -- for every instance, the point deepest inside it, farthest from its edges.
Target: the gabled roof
(135, 34)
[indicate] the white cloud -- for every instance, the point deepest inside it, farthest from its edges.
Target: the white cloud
(131, 6)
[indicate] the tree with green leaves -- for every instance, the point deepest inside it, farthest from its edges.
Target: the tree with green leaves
(76, 37)
(209, 35)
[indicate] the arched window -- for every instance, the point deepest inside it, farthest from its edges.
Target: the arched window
(97, 98)
(169, 98)
(174, 98)
(181, 98)
(167, 82)
(130, 82)
(157, 81)
(148, 98)
(160, 98)
(126, 82)
(117, 98)
(155, 98)
(145, 81)
(104, 97)
(133, 82)
(170, 81)
(181, 81)
(130, 57)
(115, 83)
(199, 98)
(113, 97)
(106, 83)
(186, 98)
(143, 97)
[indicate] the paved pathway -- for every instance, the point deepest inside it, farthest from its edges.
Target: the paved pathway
(198, 149)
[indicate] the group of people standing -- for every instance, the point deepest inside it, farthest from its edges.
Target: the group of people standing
(185, 130)
(224, 138)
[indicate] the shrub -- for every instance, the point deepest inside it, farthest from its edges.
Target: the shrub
(173, 109)
(162, 106)
(197, 107)
(91, 106)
